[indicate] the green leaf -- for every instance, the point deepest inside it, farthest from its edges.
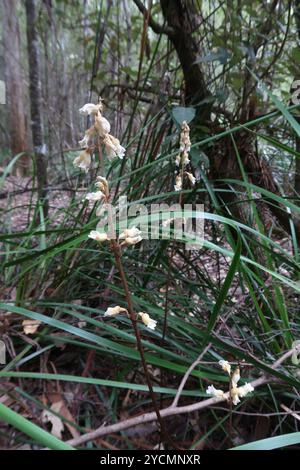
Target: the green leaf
(272, 442)
(223, 293)
(221, 55)
(180, 114)
(35, 432)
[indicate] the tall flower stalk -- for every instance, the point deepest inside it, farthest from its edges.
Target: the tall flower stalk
(100, 132)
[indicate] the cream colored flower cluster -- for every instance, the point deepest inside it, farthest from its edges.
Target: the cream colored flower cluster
(182, 159)
(235, 392)
(101, 129)
(128, 237)
(146, 319)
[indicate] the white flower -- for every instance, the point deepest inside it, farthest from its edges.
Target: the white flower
(211, 390)
(225, 366)
(133, 240)
(102, 125)
(130, 233)
(113, 147)
(235, 392)
(98, 236)
(131, 236)
(178, 183)
(185, 143)
(235, 377)
(240, 392)
(149, 322)
(112, 311)
(191, 177)
(235, 396)
(83, 160)
(84, 142)
(185, 127)
(90, 108)
(102, 184)
(87, 137)
(245, 389)
(97, 196)
(185, 158)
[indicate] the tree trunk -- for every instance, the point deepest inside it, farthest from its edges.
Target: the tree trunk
(36, 103)
(14, 86)
(180, 16)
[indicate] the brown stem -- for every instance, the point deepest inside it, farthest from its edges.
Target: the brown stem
(115, 247)
(101, 160)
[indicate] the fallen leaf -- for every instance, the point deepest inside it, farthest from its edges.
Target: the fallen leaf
(60, 407)
(30, 326)
(57, 424)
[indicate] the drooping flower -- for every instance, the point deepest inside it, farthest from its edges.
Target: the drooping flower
(102, 125)
(102, 184)
(191, 177)
(85, 142)
(225, 366)
(234, 396)
(113, 311)
(83, 160)
(239, 392)
(235, 392)
(97, 196)
(211, 390)
(113, 147)
(131, 236)
(185, 143)
(245, 389)
(98, 236)
(133, 240)
(147, 320)
(130, 233)
(178, 183)
(185, 158)
(235, 377)
(90, 108)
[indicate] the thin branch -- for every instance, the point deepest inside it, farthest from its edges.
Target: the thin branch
(291, 412)
(187, 374)
(157, 28)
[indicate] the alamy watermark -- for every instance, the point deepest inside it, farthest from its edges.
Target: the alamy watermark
(159, 221)
(295, 98)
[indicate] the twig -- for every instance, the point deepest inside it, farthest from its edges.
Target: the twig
(291, 412)
(187, 374)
